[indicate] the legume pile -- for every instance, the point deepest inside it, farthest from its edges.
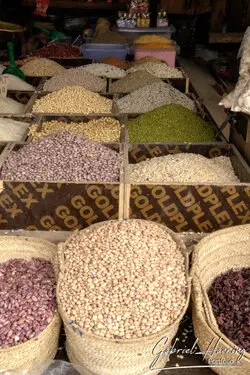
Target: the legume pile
(160, 70)
(62, 156)
(105, 70)
(39, 67)
(109, 37)
(152, 39)
(116, 62)
(170, 123)
(27, 299)
(75, 77)
(57, 50)
(133, 82)
(74, 99)
(153, 96)
(147, 59)
(183, 168)
(105, 129)
(230, 295)
(149, 46)
(123, 279)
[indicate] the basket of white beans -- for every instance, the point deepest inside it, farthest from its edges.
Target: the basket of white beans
(29, 320)
(123, 288)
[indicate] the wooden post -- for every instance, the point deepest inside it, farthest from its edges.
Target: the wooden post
(218, 14)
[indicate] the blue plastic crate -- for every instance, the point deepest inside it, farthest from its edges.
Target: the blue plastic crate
(97, 51)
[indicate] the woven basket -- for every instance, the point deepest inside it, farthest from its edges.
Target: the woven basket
(34, 353)
(93, 355)
(214, 255)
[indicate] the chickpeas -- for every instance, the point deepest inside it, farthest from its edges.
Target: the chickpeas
(104, 129)
(73, 99)
(124, 272)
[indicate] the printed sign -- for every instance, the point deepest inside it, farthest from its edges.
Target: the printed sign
(3, 86)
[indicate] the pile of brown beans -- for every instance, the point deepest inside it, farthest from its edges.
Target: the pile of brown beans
(27, 299)
(62, 156)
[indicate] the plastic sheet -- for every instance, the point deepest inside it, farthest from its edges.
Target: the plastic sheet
(56, 367)
(59, 367)
(242, 100)
(239, 99)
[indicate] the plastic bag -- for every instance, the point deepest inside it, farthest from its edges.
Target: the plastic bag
(228, 100)
(41, 8)
(139, 6)
(2, 67)
(245, 55)
(242, 100)
(59, 367)
(244, 42)
(234, 101)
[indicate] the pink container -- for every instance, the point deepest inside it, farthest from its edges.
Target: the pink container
(168, 55)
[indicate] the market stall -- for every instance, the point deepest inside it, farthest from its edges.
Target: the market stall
(124, 215)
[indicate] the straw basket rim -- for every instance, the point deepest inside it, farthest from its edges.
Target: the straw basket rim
(56, 315)
(201, 302)
(181, 245)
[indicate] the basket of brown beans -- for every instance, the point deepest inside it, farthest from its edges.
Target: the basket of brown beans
(29, 321)
(123, 289)
(221, 295)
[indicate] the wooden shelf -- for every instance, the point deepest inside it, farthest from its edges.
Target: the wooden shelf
(79, 4)
(225, 37)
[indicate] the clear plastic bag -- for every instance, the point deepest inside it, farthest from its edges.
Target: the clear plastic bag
(58, 367)
(244, 42)
(245, 55)
(242, 100)
(229, 100)
(139, 6)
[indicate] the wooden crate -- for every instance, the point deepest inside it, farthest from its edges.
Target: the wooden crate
(24, 97)
(58, 205)
(29, 119)
(187, 207)
(240, 134)
(242, 126)
(201, 112)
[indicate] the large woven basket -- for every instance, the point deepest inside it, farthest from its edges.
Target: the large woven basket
(216, 254)
(34, 353)
(93, 355)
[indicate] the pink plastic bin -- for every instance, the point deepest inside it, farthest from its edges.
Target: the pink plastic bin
(168, 55)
